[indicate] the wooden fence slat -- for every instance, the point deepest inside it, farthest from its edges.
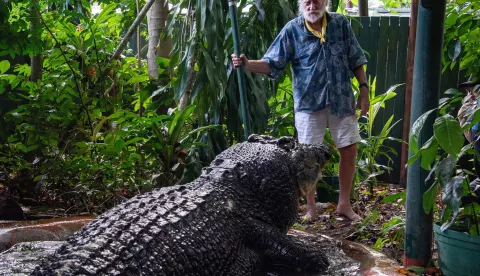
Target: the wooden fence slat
(355, 22)
(392, 64)
(382, 62)
(399, 100)
(364, 35)
(390, 78)
(382, 54)
(373, 46)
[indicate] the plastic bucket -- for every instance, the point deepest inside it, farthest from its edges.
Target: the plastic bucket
(458, 253)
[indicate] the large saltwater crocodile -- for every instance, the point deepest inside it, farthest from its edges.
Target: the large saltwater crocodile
(232, 220)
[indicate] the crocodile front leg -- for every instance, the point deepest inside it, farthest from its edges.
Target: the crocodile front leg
(282, 253)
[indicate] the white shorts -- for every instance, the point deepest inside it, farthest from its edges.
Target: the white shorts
(311, 128)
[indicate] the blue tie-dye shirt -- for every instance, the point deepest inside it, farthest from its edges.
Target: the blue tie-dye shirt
(321, 72)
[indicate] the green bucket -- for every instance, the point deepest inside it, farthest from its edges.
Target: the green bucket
(328, 189)
(458, 253)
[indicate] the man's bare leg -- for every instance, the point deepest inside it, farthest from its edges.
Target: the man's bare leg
(311, 214)
(348, 159)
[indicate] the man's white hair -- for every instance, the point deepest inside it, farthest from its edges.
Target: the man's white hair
(301, 11)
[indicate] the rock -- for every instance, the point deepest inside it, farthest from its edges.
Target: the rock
(9, 208)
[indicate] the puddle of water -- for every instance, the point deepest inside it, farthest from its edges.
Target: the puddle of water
(346, 258)
(50, 221)
(22, 258)
(42, 230)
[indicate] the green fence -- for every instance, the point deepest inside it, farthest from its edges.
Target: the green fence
(385, 42)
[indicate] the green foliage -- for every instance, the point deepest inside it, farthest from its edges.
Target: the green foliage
(93, 130)
(389, 4)
(440, 155)
(462, 33)
(208, 42)
(372, 144)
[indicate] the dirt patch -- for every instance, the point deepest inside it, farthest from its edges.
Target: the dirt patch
(382, 227)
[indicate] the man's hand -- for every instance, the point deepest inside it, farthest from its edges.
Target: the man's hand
(363, 102)
(239, 61)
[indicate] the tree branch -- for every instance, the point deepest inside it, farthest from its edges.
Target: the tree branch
(131, 30)
(69, 66)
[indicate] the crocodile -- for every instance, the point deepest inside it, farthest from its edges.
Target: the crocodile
(232, 220)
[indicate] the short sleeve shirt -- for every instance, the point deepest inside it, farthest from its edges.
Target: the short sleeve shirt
(321, 71)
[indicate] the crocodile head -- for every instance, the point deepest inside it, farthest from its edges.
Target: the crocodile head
(311, 159)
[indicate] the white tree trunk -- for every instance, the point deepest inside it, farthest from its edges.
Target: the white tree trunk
(157, 19)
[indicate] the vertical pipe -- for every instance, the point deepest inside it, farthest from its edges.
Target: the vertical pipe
(426, 90)
(241, 77)
(408, 90)
(363, 7)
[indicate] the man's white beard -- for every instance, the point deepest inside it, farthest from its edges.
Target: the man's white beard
(315, 16)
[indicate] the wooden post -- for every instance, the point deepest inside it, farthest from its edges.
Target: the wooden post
(426, 92)
(363, 7)
(408, 90)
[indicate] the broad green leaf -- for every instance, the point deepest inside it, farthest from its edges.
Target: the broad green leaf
(417, 269)
(138, 79)
(429, 198)
(451, 19)
(451, 196)
(416, 129)
(98, 128)
(445, 215)
(464, 28)
(162, 62)
(104, 15)
(454, 50)
(32, 147)
(177, 123)
(429, 153)
(453, 191)
(135, 157)
(134, 140)
(449, 134)
(394, 197)
(451, 91)
(22, 147)
(4, 66)
(444, 170)
(196, 131)
(117, 114)
(119, 145)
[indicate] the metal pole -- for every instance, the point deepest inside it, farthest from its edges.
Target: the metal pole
(408, 89)
(241, 78)
(363, 7)
(426, 90)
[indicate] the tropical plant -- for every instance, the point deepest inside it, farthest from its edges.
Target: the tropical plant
(389, 4)
(84, 135)
(440, 155)
(462, 33)
(202, 46)
(372, 145)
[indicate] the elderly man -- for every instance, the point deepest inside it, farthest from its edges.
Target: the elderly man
(322, 50)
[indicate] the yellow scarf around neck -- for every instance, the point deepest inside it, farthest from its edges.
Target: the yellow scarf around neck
(320, 34)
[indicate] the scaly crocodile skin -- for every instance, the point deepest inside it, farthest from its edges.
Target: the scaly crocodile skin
(232, 220)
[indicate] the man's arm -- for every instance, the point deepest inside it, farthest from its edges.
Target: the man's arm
(256, 66)
(363, 102)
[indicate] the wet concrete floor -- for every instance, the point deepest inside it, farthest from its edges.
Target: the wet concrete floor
(23, 245)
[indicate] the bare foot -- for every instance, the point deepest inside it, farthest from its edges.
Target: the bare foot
(347, 212)
(311, 214)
